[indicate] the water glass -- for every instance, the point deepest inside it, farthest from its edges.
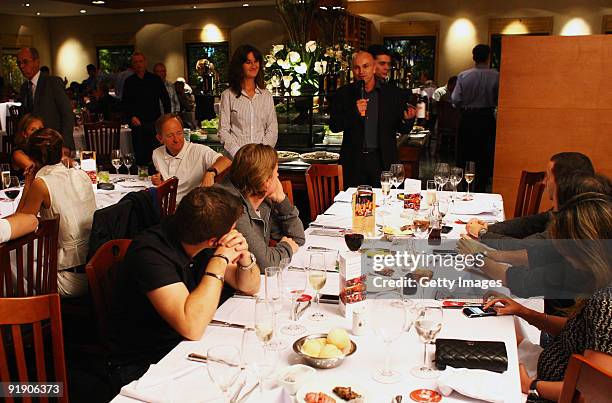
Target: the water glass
(428, 323)
(274, 296)
(116, 160)
(143, 172)
(128, 161)
(388, 321)
(294, 286)
(224, 367)
(398, 174)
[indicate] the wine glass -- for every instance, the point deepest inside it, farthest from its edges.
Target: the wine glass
(455, 179)
(128, 161)
(264, 320)
(317, 277)
(274, 296)
(353, 240)
(257, 357)
(430, 193)
(223, 367)
(443, 205)
(441, 174)
(12, 189)
(428, 323)
(116, 160)
(389, 320)
(398, 174)
(75, 156)
(385, 182)
(6, 175)
(422, 224)
(470, 175)
(294, 288)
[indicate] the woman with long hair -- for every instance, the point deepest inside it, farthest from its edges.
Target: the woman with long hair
(582, 233)
(27, 125)
(247, 113)
(58, 190)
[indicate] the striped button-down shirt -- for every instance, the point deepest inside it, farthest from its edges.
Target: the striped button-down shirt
(476, 88)
(244, 120)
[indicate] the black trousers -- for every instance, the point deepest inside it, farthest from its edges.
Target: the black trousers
(144, 142)
(364, 169)
(477, 143)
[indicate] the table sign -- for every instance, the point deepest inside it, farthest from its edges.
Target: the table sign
(88, 164)
(352, 284)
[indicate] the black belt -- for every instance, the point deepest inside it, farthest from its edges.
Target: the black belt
(369, 150)
(76, 269)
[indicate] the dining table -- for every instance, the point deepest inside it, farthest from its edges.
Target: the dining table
(176, 379)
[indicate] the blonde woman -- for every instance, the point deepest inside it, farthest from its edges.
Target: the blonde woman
(582, 230)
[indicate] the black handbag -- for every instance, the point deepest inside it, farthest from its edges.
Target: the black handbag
(472, 354)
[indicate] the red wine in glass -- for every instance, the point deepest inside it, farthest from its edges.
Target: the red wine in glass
(353, 241)
(12, 193)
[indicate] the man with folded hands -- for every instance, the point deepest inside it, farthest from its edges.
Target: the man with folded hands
(171, 280)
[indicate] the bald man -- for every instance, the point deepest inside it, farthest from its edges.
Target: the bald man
(370, 112)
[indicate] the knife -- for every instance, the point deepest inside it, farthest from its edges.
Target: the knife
(321, 248)
(221, 323)
(204, 359)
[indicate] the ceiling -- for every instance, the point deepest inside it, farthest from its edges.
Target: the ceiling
(51, 8)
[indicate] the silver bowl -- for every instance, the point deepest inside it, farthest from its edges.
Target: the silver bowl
(323, 363)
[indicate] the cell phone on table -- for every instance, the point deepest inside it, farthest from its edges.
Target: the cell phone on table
(478, 312)
(446, 229)
(329, 299)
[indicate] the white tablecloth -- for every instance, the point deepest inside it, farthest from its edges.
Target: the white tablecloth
(196, 386)
(125, 139)
(4, 111)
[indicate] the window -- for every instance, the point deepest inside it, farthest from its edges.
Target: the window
(419, 50)
(499, 27)
(111, 58)
(10, 71)
(217, 53)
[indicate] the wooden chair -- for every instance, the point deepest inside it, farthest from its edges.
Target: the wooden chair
(102, 137)
(17, 315)
(166, 197)
(410, 156)
(323, 183)
(585, 382)
(447, 125)
(8, 140)
(288, 189)
(529, 195)
(35, 260)
(101, 274)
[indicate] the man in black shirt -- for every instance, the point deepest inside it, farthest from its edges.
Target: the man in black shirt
(169, 285)
(142, 93)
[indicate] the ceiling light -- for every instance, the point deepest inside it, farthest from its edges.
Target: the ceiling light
(141, 10)
(26, 4)
(98, 2)
(37, 13)
(82, 11)
(194, 7)
(245, 5)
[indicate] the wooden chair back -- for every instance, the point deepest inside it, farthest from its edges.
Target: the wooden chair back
(101, 274)
(8, 140)
(323, 183)
(35, 262)
(288, 189)
(529, 195)
(585, 382)
(166, 197)
(102, 137)
(16, 365)
(410, 156)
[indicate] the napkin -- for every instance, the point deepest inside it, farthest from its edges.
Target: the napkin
(133, 184)
(334, 221)
(412, 186)
(276, 395)
(474, 383)
(157, 384)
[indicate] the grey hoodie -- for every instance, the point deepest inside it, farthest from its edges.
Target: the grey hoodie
(275, 220)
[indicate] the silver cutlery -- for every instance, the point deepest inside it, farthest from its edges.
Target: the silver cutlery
(204, 359)
(321, 248)
(221, 323)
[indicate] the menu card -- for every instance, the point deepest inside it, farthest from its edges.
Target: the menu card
(88, 164)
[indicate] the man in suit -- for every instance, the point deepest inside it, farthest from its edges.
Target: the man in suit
(44, 95)
(370, 113)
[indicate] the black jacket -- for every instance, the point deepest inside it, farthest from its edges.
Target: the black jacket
(345, 117)
(134, 213)
(518, 233)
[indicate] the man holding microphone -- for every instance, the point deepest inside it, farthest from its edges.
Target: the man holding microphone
(370, 113)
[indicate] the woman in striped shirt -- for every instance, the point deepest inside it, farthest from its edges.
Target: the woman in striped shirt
(247, 112)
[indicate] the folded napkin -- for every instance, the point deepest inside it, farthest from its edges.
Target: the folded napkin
(340, 221)
(133, 184)
(157, 384)
(276, 395)
(472, 207)
(474, 383)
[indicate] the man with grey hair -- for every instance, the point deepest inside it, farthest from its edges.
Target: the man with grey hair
(44, 95)
(160, 70)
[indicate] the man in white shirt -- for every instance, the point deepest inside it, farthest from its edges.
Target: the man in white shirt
(193, 164)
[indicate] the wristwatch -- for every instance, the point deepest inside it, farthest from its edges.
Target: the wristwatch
(482, 232)
(250, 266)
(213, 170)
(533, 391)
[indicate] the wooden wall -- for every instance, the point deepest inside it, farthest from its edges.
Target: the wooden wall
(555, 95)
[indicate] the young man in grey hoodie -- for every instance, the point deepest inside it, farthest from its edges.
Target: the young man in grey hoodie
(267, 212)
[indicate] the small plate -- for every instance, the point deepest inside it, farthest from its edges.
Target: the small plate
(326, 385)
(320, 157)
(287, 156)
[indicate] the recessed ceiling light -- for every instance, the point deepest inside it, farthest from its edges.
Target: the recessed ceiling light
(141, 10)
(245, 5)
(37, 13)
(26, 4)
(98, 2)
(82, 11)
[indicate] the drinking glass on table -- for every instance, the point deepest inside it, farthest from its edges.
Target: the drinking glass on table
(428, 323)
(257, 357)
(116, 160)
(441, 175)
(317, 277)
(422, 224)
(264, 320)
(398, 174)
(75, 156)
(294, 286)
(353, 240)
(385, 183)
(12, 190)
(223, 367)
(443, 205)
(128, 161)
(456, 177)
(389, 320)
(430, 193)
(6, 175)
(470, 175)
(274, 296)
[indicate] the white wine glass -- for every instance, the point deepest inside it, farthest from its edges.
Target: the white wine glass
(386, 177)
(428, 323)
(264, 320)
(6, 175)
(224, 367)
(257, 357)
(294, 286)
(398, 174)
(389, 321)
(317, 277)
(470, 175)
(128, 161)
(274, 295)
(116, 160)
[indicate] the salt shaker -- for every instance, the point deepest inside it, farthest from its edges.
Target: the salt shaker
(359, 322)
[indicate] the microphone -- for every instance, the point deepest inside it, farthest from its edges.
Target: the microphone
(362, 94)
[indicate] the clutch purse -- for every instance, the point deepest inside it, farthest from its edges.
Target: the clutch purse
(471, 354)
